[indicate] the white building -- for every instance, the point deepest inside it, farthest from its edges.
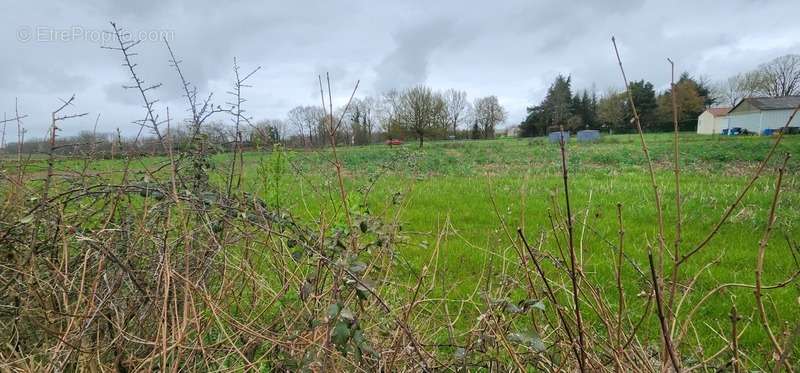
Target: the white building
(512, 131)
(756, 114)
(713, 120)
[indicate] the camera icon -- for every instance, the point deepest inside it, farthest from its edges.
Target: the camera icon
(24, 34)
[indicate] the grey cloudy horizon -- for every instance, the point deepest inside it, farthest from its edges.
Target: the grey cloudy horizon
(511, 49)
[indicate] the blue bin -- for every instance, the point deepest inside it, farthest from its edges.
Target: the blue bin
(588, 135)
(555, 137)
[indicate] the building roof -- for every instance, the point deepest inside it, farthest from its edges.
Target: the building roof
(772, 103)
(719, 111)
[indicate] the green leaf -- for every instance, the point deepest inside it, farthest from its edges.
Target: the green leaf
(340, 334)
(333, 310)
(357, 353)
(528, 339)
(26, 219)
(297, 255)
(358, 337)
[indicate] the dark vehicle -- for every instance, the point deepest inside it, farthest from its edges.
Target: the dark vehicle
(789, 131)
(735, 131)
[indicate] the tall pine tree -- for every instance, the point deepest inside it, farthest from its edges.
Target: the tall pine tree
(555, 110)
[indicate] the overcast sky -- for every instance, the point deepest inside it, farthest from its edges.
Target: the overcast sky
(512, 49)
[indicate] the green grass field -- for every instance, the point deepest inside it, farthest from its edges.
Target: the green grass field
(466, 199)
(455, 182)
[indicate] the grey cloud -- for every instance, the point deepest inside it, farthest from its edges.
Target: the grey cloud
(116, 93)
(511, 49)
(408, 63)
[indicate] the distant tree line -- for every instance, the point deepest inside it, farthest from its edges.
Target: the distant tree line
(218, 136)
(610, 111)
(418, 113)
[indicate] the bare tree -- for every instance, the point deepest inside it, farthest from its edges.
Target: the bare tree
(362, 120)
(488, 114)
(238, 118)
(306, 120)
(457, 106)
(737, 87)
(126, 45)
(295, 119)
(280, 126)
(268, 131)
(5, 121)
(781, 76)
(201, 110)
(386, 109)
(55, 118)
(421, 111)
(370, 116)
(216, 132)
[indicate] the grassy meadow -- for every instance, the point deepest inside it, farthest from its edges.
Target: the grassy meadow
(472, 191)
(459, 203)
(466, 196)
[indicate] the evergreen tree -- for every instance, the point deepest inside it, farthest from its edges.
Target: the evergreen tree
(575, 120)
(584, 109)
(475, 133)
(558, 102)
(644, 97)
(530, 126)
(556, 109)
(704, 89)
(589, 109)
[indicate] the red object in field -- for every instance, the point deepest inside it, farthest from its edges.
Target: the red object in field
(391, 142)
